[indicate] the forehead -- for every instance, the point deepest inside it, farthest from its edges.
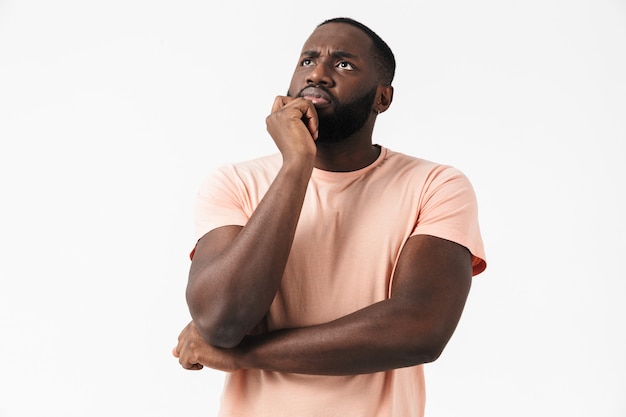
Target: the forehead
(339, 37)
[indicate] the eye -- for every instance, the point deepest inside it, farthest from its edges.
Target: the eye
(306, 62)
(345, 65)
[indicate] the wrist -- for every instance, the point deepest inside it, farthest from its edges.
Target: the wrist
(298, 168)
(298, 161)
(245, 355)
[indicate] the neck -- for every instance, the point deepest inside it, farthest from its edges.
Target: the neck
(347, 155)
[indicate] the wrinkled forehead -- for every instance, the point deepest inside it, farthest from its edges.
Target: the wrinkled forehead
(339, 37)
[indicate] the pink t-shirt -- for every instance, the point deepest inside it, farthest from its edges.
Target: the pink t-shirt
(351, 231)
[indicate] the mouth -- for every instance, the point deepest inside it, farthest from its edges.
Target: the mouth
(318, 96)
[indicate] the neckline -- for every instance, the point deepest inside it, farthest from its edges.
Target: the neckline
(322, 174)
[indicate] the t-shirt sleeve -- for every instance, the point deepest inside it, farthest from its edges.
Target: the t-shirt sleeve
(449, 210)
(219, 202)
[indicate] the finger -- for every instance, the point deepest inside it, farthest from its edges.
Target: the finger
(183, 332)
(280, 102)
(311, 120)
(193, 366)
(309, 114)
(175, 352)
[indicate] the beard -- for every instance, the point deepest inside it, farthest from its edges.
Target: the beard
(346, 119)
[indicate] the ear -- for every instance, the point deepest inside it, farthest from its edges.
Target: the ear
(384, 96)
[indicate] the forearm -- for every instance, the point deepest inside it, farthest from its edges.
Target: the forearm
(410, 328)
(230, 289)
(380, 337)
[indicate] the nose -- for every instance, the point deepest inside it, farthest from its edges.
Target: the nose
(320, 74)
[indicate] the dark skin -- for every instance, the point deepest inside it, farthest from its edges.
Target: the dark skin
(228, 297)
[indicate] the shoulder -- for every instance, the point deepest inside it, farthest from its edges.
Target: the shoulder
(418, 170)
(260, 169)
(258, 166)
(447, 206)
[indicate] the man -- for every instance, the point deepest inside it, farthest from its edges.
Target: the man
(325, 275)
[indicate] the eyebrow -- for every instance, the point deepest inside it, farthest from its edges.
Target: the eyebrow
(334, 54)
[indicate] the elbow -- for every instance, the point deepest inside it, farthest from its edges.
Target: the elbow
(219, 334)
(427, 350)
(217, 325)
(431, 353)
(423, 355)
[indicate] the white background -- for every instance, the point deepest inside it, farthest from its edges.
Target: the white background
(112, 113)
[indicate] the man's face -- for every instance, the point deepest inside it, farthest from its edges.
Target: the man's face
(336, 72)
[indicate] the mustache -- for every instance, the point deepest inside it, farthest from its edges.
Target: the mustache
(320, 87)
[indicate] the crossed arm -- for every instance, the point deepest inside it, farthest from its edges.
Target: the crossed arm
(236, 272)
(410, 328)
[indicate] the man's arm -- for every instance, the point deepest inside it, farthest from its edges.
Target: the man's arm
(430, 287)
(236, 271)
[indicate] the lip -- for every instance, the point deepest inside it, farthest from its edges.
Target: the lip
(318, 96)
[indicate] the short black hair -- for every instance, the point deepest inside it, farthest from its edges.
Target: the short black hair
(385, 61)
